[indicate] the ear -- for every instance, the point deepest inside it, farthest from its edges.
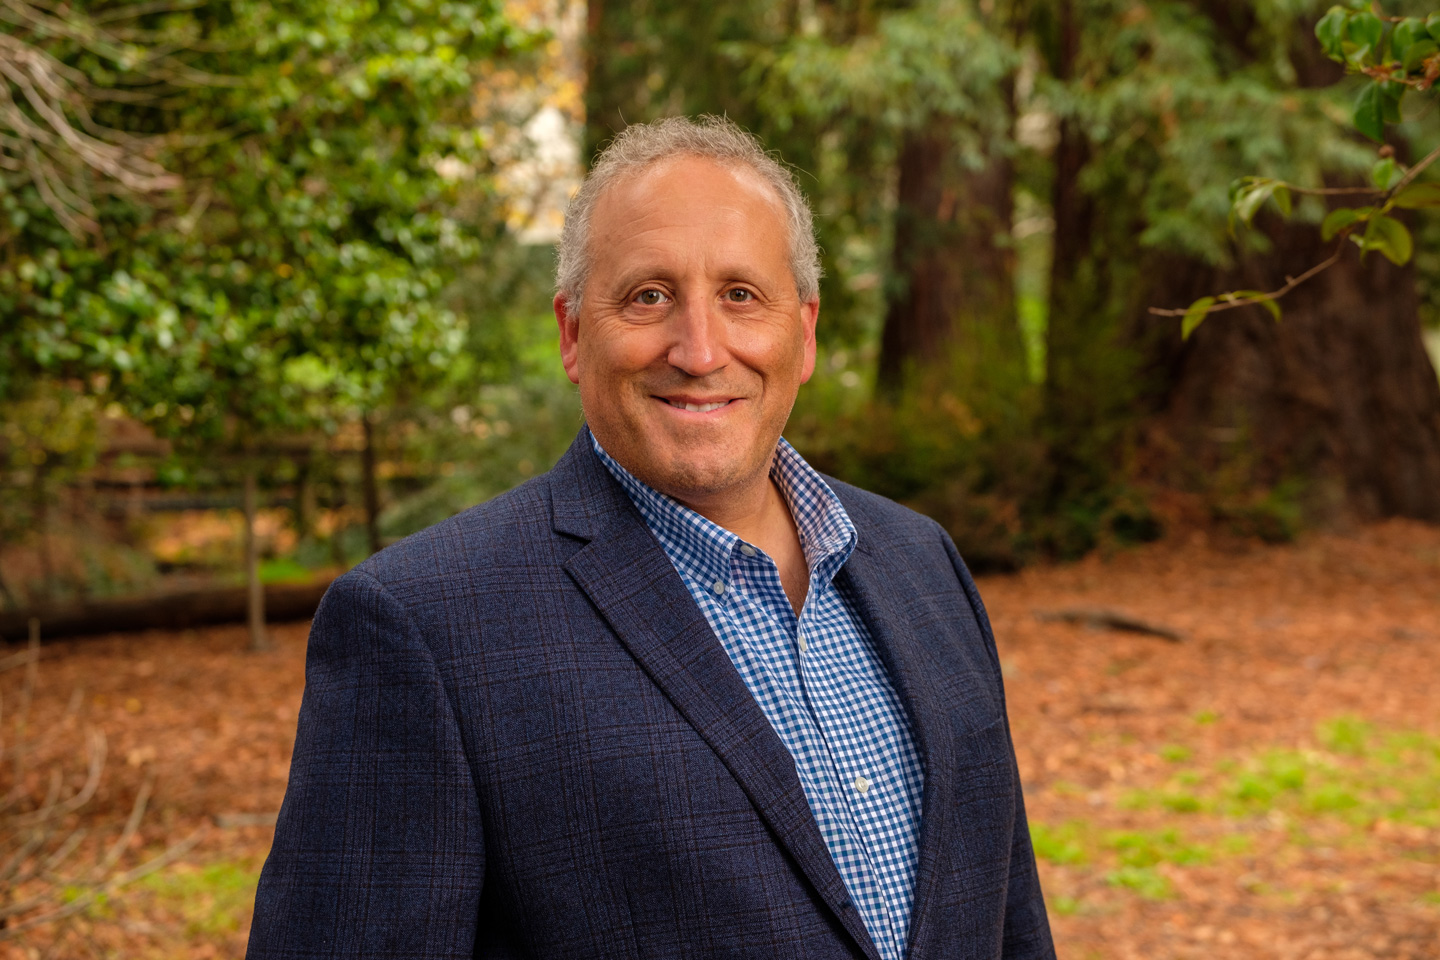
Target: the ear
(809, 315)
(569, 323)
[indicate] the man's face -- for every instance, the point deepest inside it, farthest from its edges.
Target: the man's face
(691, 343)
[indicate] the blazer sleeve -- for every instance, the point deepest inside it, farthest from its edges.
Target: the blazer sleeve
(378, 849)
(1027, 926)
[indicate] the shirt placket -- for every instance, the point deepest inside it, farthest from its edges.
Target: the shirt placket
(860, 784)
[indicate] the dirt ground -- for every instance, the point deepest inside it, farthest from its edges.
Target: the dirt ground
(1266, 787)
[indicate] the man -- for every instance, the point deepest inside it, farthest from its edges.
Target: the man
(680, 696)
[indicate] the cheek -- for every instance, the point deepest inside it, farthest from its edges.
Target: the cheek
(611, 360)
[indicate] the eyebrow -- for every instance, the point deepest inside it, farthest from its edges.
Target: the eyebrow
(731, 274)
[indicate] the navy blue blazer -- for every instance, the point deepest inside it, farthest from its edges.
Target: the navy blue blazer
(520, 738)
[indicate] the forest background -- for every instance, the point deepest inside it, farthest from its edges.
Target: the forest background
(274, 291)
(278, 254)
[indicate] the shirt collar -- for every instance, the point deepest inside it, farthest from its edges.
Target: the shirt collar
(706, 550)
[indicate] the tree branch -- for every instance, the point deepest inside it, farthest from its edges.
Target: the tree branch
(1235, 303)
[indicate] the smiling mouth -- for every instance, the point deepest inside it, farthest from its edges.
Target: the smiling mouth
(696, 407)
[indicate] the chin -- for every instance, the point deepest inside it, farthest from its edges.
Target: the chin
(691, 477)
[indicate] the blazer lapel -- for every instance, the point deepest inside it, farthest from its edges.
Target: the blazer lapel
(626, 574)
(864, 577)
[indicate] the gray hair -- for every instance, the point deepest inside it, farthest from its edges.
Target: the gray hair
(643, 145)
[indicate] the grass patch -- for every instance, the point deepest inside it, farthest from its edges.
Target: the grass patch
(1064, 844)
(1175, 753)
(1206, 717)
(1356, 774)
(1143, 880)
(1345, 734)
(1065, 906)
(213, 899)
(1167, 798)
(1149, 848)
(284, 570)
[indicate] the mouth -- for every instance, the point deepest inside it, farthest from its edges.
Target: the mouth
(696, 406)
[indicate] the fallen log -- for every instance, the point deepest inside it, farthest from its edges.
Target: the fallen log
(284, 602)
(1100, 618)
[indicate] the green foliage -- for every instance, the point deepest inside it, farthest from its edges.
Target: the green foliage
(330, 163)
(1393, 56)
(958, 444)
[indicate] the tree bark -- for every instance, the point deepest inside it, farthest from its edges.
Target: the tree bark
(41, 513)
(953, 266)
(255, 590)
(371, 486)
(1087, 390)
(602, 118)
(304, 506)
(1339, 396)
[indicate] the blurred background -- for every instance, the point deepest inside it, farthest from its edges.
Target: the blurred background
(275, 284)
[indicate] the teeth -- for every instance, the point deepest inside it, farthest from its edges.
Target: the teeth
(698, 407)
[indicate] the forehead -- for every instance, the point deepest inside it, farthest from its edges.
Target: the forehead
(687, 193)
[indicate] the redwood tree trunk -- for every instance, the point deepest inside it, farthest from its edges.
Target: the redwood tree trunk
(953, 267)
(1087, 386)
(1339, 395)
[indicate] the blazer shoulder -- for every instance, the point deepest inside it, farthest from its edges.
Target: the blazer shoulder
(510, 524)
(881, 515)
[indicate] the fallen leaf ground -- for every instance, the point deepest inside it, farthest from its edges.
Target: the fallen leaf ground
(1269, 787)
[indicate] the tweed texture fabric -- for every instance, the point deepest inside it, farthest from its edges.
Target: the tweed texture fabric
(816, 676)
(521, 738)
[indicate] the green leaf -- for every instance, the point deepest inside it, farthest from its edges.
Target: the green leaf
(1195, 315)
(1358, 55)
(1365, 30)
(1385, 173)
(1330, 31)
(1282, 198)
(1432, 26)
(1390, 95)
(1368, 111)
(1418, 195)
(1417, 54)
(1338, 219)
(1249, 200)
(1406, 32)
(1390, 237)
(1258, 298)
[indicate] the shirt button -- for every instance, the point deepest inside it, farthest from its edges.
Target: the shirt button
(803, 644)
(718, 586)
(746, 549)
(862, 785)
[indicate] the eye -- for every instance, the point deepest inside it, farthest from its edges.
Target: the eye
(651, 297)
(739, 295)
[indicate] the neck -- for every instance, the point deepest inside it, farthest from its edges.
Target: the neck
(750, 514)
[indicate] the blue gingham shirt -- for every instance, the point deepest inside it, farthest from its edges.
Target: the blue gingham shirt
(818, 679)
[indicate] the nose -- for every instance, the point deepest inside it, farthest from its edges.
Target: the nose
(697, 344)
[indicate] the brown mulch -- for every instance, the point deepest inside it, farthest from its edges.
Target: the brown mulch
(1277, 640)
